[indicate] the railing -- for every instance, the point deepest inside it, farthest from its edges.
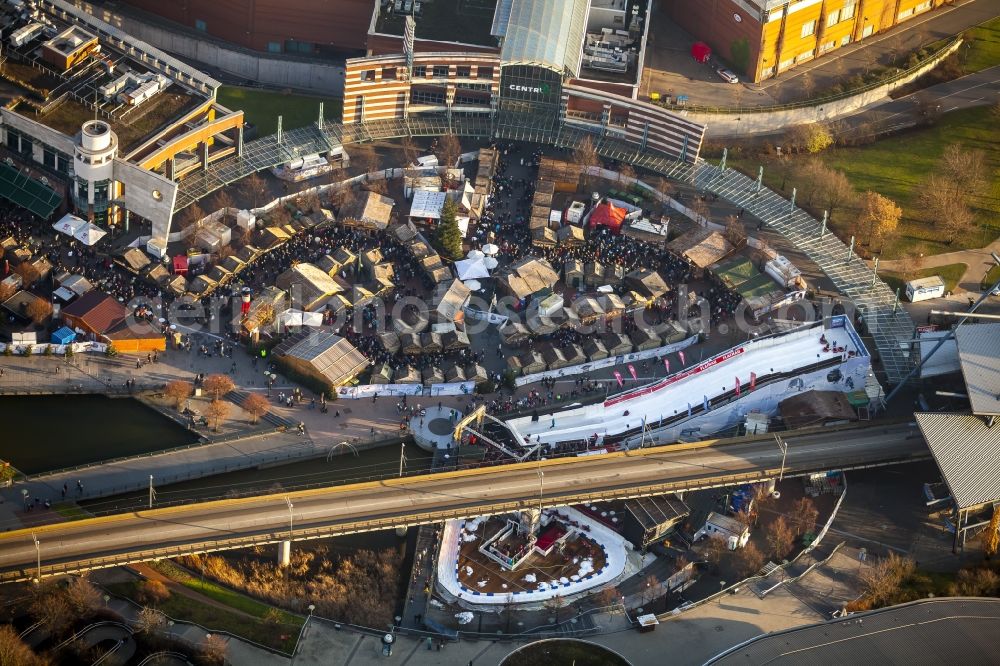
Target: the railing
(819, 101)
(437, 515)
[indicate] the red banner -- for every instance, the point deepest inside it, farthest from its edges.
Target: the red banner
(753, 380)
(666, 364)
(737, 387)
(631, 371)
(680, 376)
(681, 354)
(618, 376)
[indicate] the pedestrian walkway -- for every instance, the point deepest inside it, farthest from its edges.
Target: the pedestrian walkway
(889, 325)
(978, 263)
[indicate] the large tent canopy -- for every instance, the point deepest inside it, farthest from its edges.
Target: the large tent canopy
(472, 269)
(69, 224)
(89, 234)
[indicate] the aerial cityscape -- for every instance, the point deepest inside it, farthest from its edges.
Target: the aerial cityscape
(499, 332)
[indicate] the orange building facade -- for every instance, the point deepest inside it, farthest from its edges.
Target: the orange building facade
(763, 38)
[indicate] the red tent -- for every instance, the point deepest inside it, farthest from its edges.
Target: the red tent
(701, 51)
(608, 215)
(180, 264)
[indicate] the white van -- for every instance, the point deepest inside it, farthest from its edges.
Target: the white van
(925, 288)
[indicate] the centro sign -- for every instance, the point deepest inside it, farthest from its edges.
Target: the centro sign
(538, 90)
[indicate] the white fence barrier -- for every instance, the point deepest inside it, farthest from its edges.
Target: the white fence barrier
(606, 362)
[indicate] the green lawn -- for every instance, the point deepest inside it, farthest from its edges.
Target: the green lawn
(896, 168)
(991, 277)
(70, 510)
(950, 273)
(221, 594)
(178, 607)
(984, 51)
(262, 108)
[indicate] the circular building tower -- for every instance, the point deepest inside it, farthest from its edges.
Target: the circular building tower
(93, 191)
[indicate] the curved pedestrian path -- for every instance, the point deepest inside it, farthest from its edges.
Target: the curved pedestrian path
(978, 263)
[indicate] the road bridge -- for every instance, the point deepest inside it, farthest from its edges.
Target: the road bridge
(377, 505)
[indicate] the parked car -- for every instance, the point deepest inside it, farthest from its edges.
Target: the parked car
(727, 75)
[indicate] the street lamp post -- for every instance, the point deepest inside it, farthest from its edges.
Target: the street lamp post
(541, 490)
(38, 554)
(784, 452)
(288, 501)
(402, 457)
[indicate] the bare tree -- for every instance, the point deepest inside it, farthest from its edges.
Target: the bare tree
(608, 596)
(39, 310)
(224, 201)
(14, 651)
(804, 515)
(50, 608)
(279, 216)
(309, 202)
(449, 148)
(213, 650)
(149, 621)
(779, 538)
(256, 405)
(555, 605)
(749, 559)
(882, 580)
(410, 150)
(965, 168)
(666, 188)
(625, 173)
(651, 588)
(217, 411)
(735, 233)
(218, 385)
(254, 188)
(701, 209)
(366, 157)
(153, 592)
(585, 156)
(192, 215)
(714, 550)
(835, 190)
(178, 391)
(82, 596)
(29, 274)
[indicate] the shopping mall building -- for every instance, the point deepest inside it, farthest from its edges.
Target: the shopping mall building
(558, 65)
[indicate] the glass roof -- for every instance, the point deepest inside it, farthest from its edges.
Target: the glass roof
(548, 33)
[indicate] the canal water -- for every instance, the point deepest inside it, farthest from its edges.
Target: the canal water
(45, 433)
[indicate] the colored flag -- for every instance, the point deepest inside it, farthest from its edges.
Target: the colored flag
(631, 371)
(618, 376)
(705, 404)
(666, 364)
(753, 380)
(737, 387)
(681, 354)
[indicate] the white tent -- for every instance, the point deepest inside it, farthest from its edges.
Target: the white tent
(89, 234)
(474, 285)
(490, 249)
(292, 317)
(69, 224)
(475, 254)
(471, 269)
(491, 262)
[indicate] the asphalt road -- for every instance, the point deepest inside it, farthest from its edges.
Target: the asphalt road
(469, 493)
